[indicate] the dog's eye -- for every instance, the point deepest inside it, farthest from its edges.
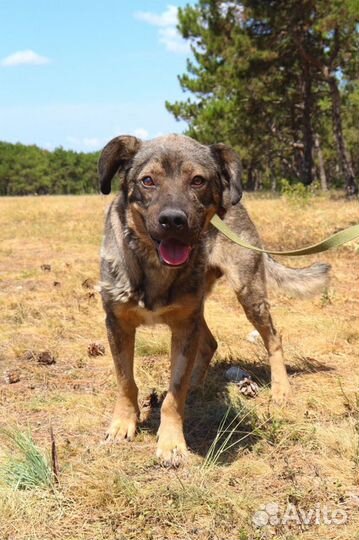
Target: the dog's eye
(147, 181)
(198, 181)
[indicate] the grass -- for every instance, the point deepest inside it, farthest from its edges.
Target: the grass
(25, 466)
(244, 453)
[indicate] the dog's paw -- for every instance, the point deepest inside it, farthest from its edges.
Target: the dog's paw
(121, 428)
(281, 392)
(171, 448)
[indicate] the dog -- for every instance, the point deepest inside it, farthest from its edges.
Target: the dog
(160, 259)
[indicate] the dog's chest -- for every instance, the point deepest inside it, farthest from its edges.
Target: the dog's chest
(154, 316)
(136, 314)
(158, 305)
(156, 291)
(154, 295)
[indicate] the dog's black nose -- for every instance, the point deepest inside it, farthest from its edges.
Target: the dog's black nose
(173, 219)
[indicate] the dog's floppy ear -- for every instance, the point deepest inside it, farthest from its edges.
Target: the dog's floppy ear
(230, 169)
(114, 157)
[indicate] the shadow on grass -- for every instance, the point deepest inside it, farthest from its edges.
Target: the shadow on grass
(260, 371)
(219, 423)
(216, 426)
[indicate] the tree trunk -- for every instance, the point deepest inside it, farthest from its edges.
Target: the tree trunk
(322, 174)
(351, 186)
(273, 184)
(258, 184)
(250, 185)
(307, 174)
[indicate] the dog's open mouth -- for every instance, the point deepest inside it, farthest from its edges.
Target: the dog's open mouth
(173, 252)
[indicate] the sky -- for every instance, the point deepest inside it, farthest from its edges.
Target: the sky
(76, 73)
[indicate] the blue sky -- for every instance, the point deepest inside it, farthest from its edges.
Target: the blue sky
(76, 73)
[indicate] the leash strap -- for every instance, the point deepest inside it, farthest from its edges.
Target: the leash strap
(337, 239)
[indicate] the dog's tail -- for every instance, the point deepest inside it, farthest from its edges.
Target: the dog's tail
(302, 282)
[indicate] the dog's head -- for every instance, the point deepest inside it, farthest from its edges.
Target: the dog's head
(172, 186)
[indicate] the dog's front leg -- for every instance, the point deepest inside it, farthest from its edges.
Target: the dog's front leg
(121, 338)
(171, 447)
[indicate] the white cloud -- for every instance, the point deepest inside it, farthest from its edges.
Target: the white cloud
(172, 40)
(167, 31)
(167, 18)
(27, 57)
(141, 133)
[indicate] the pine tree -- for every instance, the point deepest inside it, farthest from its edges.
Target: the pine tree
(262, 76)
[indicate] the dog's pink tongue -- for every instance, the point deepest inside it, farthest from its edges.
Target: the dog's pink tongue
(174, 252)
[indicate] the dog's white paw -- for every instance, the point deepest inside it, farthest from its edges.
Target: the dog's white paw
(171, 448)
(122, 428)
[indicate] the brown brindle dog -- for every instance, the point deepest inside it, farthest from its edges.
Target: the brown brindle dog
(161, 257)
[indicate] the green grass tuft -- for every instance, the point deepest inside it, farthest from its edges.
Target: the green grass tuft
(238, 425)
(24, 466)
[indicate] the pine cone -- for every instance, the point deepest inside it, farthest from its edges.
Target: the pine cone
(96, 349)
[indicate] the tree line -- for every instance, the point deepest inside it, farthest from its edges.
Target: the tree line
(278, 81)
(26, 170)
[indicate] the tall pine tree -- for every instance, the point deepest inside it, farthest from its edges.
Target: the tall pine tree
(262, 70)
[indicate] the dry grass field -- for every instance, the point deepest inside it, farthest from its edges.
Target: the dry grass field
(246, 455)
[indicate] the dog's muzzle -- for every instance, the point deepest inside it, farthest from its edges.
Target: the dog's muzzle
(173, 250)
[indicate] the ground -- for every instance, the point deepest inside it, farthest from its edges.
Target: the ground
(282, 473)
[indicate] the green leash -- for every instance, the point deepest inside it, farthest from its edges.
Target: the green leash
(337, 239)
